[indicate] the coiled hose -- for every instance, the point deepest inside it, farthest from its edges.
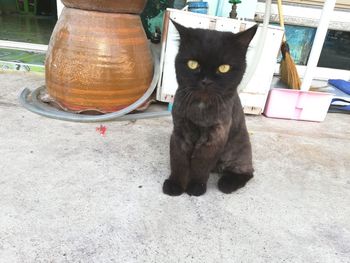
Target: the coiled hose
(33, 104)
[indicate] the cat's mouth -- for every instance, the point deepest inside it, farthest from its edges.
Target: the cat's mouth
(202, 95)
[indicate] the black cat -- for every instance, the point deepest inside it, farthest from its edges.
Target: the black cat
(209, 126)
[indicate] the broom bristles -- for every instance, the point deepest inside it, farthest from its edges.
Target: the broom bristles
(288, 71)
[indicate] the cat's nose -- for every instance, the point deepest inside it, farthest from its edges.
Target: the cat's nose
(206, 82)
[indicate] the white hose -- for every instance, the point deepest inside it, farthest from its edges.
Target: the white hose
(259, 49)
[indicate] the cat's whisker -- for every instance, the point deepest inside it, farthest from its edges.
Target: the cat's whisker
(217, 104)
(188, 99)
(184, 94)
(182, 98)
(220, 100)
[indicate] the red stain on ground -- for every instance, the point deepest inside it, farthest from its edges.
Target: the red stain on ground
(102, 130)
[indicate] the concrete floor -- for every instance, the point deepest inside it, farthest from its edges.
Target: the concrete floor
(69, 195)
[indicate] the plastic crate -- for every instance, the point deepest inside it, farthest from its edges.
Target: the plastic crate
(297, 104)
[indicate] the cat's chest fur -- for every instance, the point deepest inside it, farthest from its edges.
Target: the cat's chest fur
(196, 120)
(202, 110)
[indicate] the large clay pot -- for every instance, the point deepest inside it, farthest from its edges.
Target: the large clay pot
(98, 60)
(113, 6)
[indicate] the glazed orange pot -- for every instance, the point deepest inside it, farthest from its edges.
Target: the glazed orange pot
(98, 61)
(113, 6)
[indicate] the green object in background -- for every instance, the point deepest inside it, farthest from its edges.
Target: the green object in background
(26, 28)
(11, 59)
(8, 7)
(152, 17)
(27, 6)
(300, 39)
(235, 2)
(5, 66)
(233, 13)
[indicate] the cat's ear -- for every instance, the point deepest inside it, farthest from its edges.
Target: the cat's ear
(180, 28)
(246, 36)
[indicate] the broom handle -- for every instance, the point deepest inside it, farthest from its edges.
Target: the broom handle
(281, 18)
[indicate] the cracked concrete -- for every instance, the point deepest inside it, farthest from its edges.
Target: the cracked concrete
(69, 195)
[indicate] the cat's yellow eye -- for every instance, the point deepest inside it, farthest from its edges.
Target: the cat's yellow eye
(192, 64)
(224, 68)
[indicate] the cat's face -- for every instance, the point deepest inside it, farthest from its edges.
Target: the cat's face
(211, 62)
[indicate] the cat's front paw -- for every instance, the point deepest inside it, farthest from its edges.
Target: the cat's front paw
(172, 188)
(196, 189)
(231, 182)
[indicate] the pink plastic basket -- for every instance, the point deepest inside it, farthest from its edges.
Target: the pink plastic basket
(297, 104)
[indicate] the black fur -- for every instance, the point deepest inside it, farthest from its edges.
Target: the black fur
(209, 126)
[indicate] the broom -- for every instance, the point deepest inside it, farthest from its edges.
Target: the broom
(288, 71)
